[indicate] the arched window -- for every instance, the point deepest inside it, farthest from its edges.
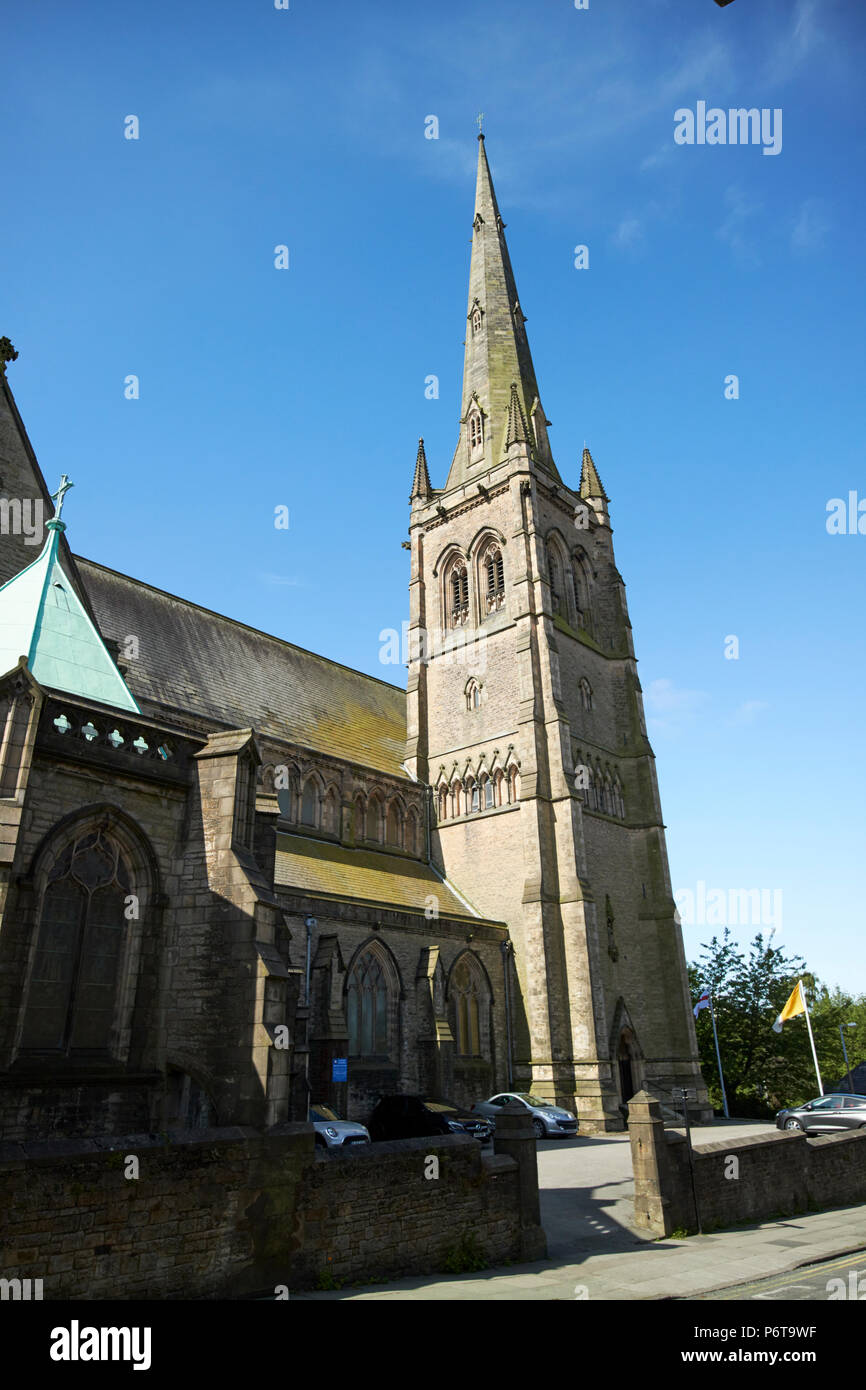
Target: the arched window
(412, 832)
(310, 803)
(486, 793)
(331, 812)
(554, 571)
(359, 818)
(476, 320)
(473, 694)
(374, 819)
(585, 693)
(458, 595)
(367, 1008)
(599, 790)
(513, 784)
(443, 802)
(468, 998)
(498, 779)
(472, 797)
(580, 577)
(493, 571)
(619, 800)
(476, 432)
(456, 797)
(82, 925)
(394, 825)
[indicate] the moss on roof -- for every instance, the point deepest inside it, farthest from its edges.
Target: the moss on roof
(198, 662)
(326, 870)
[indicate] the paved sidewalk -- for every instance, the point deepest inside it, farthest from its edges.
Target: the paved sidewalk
(652, 1269)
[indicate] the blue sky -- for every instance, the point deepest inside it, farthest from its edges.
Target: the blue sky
(305, 387)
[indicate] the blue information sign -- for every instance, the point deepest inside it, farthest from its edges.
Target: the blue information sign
(340, 1069)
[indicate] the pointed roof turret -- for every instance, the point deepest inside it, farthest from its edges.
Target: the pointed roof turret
(421, 482)
(590, 482)
(42, 618)
(497, 362)
(517, 431)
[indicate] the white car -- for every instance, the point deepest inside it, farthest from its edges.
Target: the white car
(547, 1119)
(334, 1133)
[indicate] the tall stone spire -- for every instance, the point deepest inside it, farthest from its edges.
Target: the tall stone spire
(497, 364)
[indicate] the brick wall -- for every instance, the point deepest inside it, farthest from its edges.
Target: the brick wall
(750, 1179)
(228, 1213)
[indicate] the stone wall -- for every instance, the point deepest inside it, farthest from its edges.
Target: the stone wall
(232, 1213)
(750, 1179)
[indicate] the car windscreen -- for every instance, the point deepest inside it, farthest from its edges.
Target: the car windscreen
(536, 1100)
(441, 1106)
(322, 1112)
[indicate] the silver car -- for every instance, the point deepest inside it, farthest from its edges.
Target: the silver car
(547, 1119)
(334, 1133)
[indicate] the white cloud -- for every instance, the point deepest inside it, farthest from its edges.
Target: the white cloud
(811, 226)
(670, 707)
(748, 712)
(734, 229)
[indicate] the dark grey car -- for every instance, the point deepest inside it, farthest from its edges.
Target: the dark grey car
(826, 1115)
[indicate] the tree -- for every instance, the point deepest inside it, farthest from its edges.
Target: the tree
(766, 1070)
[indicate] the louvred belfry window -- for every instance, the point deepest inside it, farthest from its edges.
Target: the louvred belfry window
(495, 579)
(459, 595)
(72, 992)
(476, 436)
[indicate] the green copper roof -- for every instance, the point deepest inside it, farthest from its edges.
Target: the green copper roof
(42, 618)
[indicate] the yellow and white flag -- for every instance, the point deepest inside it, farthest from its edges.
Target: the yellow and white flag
(795, 1005)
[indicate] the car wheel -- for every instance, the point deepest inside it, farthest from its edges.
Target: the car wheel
(795, 1124)
(538, 1126)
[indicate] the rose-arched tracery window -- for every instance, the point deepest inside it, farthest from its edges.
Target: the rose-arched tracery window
(368, 1008)
(74, 980)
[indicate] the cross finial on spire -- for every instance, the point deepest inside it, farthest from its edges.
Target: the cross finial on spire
(479, 120)
(59, 495)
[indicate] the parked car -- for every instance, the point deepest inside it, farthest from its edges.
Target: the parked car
(826, 1115)
(413, 1117)
(334, 1133)
(547, 1119)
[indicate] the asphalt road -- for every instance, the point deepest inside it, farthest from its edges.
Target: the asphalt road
(586, 1188)
(842, 1280)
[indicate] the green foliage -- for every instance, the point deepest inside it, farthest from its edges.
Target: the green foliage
(325, 1281)
(765, 1070)
(465, 1257)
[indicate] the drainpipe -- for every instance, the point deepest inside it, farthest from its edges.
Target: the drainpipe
(309, 923)
(507, 951)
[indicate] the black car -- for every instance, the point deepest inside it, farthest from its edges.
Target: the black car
(827, 1115)
(415, 1117)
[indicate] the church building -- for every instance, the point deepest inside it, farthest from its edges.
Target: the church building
(236, 876)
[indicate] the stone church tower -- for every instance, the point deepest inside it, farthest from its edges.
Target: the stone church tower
(526, 719)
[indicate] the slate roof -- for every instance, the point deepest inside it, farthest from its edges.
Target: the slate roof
(326, 870)
(194, 661)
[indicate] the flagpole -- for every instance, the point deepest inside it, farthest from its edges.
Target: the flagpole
(811, 1039)
(719, 1059)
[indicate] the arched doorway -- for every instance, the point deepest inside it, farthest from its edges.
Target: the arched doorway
(626, 1055)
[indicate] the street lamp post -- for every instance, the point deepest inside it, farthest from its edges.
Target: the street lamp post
(842, 1027)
